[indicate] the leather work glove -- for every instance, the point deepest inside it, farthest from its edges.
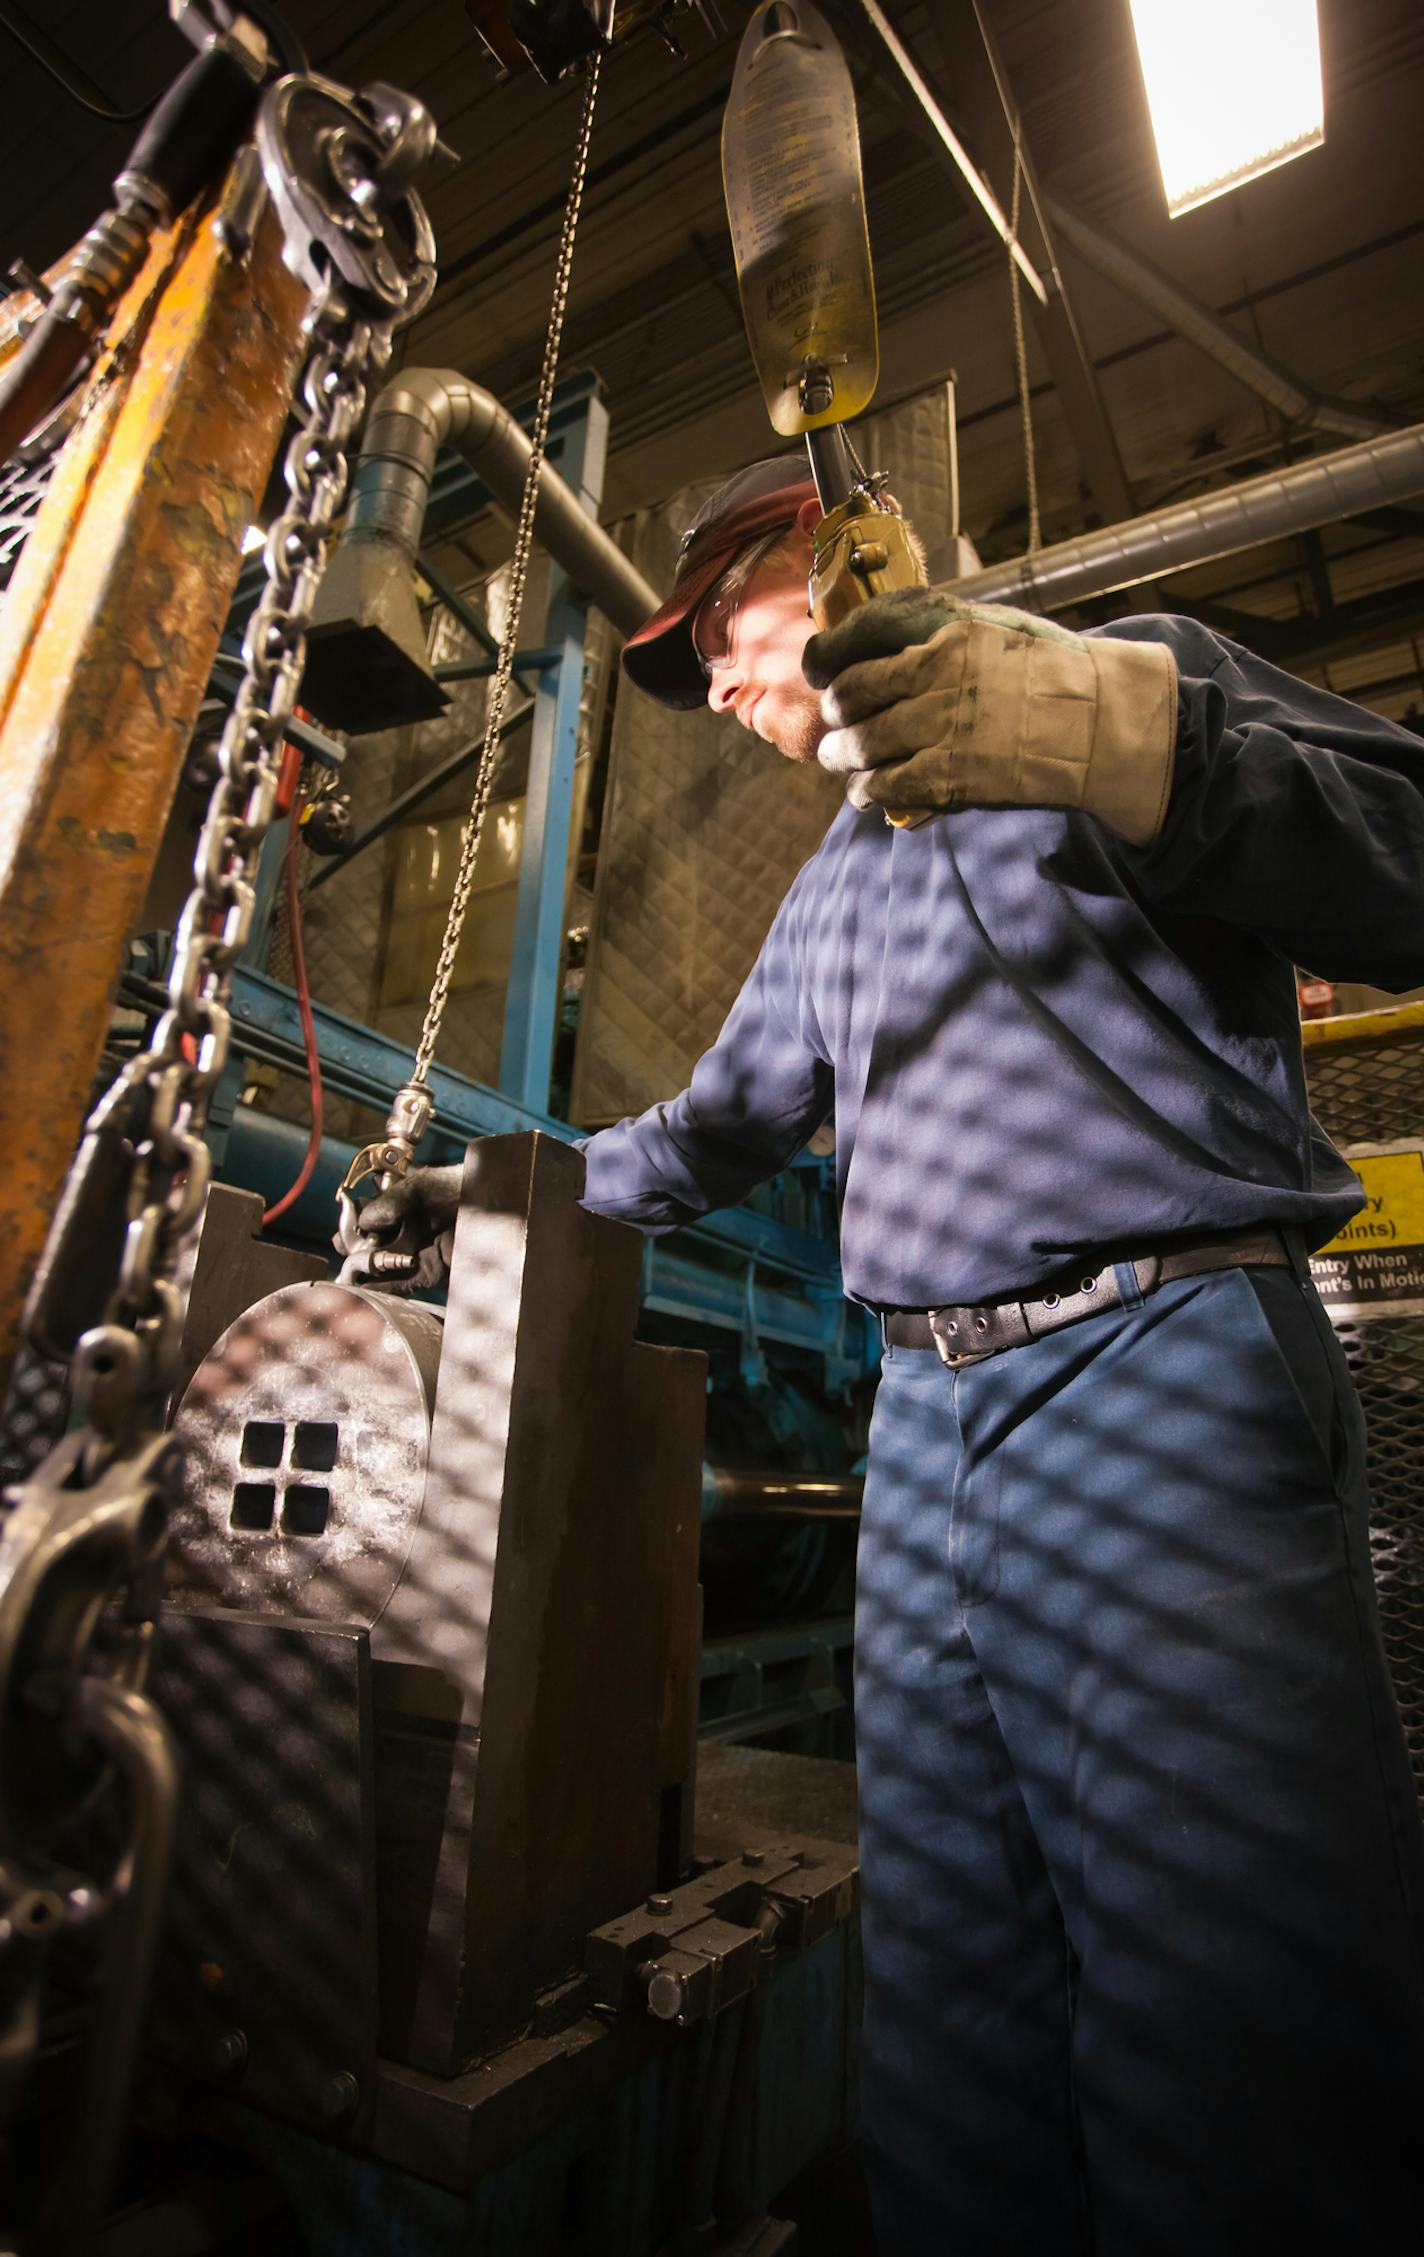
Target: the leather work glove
(934, 704)
(406, 1234)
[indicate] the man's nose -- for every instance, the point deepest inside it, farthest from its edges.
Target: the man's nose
(722, 687)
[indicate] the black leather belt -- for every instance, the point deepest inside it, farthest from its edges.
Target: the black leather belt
(967, 1335)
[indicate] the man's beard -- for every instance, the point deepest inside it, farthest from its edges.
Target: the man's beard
(799, 730)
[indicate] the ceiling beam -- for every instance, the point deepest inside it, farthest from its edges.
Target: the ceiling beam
(1353, 629)
(991, 127)
(1400, 523)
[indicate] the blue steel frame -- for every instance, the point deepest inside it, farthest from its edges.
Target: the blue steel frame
(531, 1009)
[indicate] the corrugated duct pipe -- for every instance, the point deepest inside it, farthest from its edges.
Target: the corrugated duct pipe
(425, 409)
(1280, 502)
(1257, 370)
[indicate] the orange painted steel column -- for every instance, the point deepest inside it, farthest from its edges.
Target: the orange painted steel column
(106, 639)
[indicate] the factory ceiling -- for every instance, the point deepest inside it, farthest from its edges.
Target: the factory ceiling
(1320, 263)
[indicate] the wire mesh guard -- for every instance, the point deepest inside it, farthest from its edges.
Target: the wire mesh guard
(22, 489)
(1375, 1095)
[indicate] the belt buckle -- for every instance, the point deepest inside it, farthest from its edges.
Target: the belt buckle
(943, 1322)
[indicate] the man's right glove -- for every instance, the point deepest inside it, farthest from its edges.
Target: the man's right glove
(933, 704)
(405, 1235)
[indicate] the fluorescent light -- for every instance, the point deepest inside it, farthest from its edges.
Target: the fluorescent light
(1233, 87)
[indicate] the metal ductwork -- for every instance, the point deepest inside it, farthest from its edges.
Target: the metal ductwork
(1269, 508)
(366, 665)
(1257, 370)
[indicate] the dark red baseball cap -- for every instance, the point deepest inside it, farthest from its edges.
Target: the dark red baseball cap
(660, 657)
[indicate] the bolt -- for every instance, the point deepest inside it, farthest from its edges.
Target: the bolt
(34, 1912)
(26, 279)
(230, 2054)
(340, 2097)
(659, 1904)
(667, 1996)
(753, 1857)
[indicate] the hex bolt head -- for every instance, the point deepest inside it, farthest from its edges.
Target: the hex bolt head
(753, 1857)
(659, 1904)
(340, 2097)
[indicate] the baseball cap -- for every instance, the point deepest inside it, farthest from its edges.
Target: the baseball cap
(660, 658)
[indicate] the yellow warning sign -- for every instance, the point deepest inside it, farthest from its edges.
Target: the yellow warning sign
(1393, 1213)
(1375, 1265)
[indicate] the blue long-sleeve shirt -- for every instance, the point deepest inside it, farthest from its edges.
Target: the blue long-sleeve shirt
(1037, 1041)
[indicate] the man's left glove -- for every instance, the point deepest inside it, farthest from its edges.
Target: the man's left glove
(404, 1236)
(933, 704)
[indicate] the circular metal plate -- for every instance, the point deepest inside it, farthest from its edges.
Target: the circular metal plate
(304, 1437)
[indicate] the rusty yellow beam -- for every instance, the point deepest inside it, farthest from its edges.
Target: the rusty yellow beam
(106, 640)
(1364, 1026)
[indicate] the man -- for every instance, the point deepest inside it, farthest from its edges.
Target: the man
(1143, 1868)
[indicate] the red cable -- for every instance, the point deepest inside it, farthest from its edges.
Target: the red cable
(299, 967)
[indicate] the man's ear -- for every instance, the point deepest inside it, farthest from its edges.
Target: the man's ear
(809, 515)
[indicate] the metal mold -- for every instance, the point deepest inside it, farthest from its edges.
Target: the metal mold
(482, 1496)
(307, 1429)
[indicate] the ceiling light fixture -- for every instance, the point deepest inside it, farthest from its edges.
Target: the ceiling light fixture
(1233, 87)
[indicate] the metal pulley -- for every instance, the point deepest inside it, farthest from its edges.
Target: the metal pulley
(340, 169)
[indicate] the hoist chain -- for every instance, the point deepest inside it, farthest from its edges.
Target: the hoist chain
(82, 1539)
(158, 1107)
(413, 1108)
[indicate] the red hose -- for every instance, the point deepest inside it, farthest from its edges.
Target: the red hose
(299, 968)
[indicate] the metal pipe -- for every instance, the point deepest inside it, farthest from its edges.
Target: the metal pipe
(732, 1493)
(425, 409)
(1269, 508)
(1257, 370)
(973, 179)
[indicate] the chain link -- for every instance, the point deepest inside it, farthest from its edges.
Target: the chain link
(162, 1098)
(518, 574)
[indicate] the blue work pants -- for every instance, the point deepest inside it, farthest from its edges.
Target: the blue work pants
(1143, 1867)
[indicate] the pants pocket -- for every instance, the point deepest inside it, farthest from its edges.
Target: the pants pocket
(1285, 1315)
